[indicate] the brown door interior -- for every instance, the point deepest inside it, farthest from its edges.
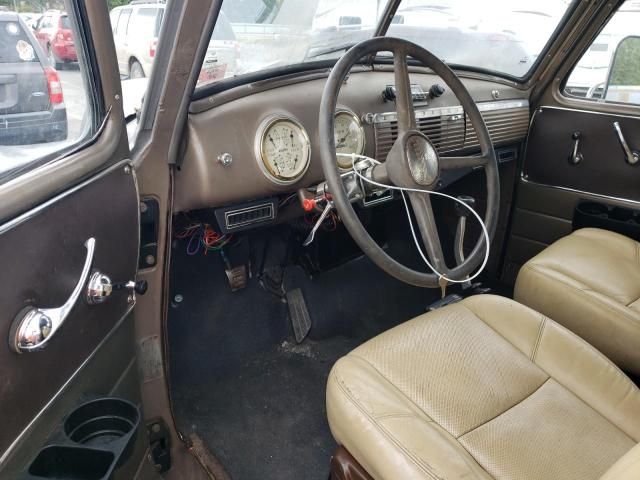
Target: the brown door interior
(70, 391)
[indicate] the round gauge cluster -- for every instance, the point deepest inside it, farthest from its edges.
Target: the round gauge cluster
(283, 149)
(349, 137)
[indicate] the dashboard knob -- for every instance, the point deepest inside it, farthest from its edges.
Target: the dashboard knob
(436, 90)
(389, 93)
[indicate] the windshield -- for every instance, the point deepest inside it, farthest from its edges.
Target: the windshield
(503, 36)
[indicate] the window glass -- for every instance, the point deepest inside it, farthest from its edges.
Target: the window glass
(43, 96)
(136, 26)
(610, 68)
(503, 36)
(123, 21)
(113, 16)
(145, 23)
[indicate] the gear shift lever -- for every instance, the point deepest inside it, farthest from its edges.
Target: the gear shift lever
(462, 213)
(468, 288)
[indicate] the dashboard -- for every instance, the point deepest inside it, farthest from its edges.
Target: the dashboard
(262, 140)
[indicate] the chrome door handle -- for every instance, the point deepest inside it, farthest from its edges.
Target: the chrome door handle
(33, 327)
(631, 156)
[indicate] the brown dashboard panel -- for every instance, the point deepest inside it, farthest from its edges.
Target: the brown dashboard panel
(203, 181)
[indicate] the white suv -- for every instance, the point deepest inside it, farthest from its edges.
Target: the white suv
(135, 31)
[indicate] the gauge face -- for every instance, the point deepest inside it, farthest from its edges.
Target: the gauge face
(349, 137)
(283, 149)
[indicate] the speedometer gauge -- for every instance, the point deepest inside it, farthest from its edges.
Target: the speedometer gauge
(282, 149)
(349, 136)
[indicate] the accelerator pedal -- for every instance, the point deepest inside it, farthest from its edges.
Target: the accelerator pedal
(299, 314)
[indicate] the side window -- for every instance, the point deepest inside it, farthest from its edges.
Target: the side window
(145, 22)
(609, 71)
(113, 17)
(123, 22)
(44, 107)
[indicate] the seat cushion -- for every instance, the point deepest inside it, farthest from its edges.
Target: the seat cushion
(589, 282)
(482, 389)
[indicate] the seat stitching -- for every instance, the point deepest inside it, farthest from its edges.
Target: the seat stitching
(400, 392)
(583, 292)
(593, 350)
(497, 332)
(417, 461)
(539, 338)
(398, 415)
(392, 385)
(505, 411)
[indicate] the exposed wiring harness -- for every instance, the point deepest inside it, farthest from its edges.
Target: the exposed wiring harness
(202, 237)
(354, 156)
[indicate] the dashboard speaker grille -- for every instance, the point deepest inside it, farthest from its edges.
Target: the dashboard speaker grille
(450, 129)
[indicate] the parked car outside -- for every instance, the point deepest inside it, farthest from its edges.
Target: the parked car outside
(135, 31)
(590, 74)
(32, 108)
(31, 18)
(55, 36)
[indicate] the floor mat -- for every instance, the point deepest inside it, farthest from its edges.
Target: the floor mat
(239, 380)
(266, 418)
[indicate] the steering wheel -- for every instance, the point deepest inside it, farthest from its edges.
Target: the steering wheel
(412, 162)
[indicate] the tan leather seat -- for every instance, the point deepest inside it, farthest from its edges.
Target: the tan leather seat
(484, 389)
(589, 282)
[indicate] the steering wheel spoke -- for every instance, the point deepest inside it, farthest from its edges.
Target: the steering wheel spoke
(404, 100)
(426, 220)
(405, 159)
(455, 163)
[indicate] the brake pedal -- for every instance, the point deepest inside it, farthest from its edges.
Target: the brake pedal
(299, 314)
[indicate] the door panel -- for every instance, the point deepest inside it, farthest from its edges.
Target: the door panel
(43, 253)
(543, 215)
(603, 169)
(551, 185)
(51, 205)
(42, 260)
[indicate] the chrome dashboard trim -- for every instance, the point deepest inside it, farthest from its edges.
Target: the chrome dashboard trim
(446, 111)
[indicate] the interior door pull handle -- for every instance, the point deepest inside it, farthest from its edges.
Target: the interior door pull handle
(33, 327)
(631, 156)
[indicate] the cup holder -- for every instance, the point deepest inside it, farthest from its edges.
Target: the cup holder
(95, 438)
(614, 218)
(621, 214)
(594, 209)
(101, 422)
(71, 463)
